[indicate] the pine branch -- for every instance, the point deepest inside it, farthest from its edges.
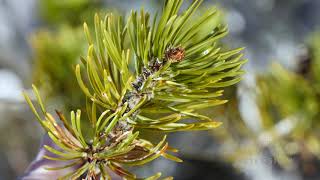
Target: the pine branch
(179, 69)
(174, 72)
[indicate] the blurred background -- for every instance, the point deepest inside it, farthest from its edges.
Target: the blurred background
(271, 124)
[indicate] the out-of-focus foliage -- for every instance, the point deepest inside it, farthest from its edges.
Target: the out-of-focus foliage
(289, 105)
(71, 12)
(55, 53)
(57, 47)
(288, 102)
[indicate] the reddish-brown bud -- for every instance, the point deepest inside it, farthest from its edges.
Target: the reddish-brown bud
(175, 54)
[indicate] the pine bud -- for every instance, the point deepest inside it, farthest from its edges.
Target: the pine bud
(175, 54)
